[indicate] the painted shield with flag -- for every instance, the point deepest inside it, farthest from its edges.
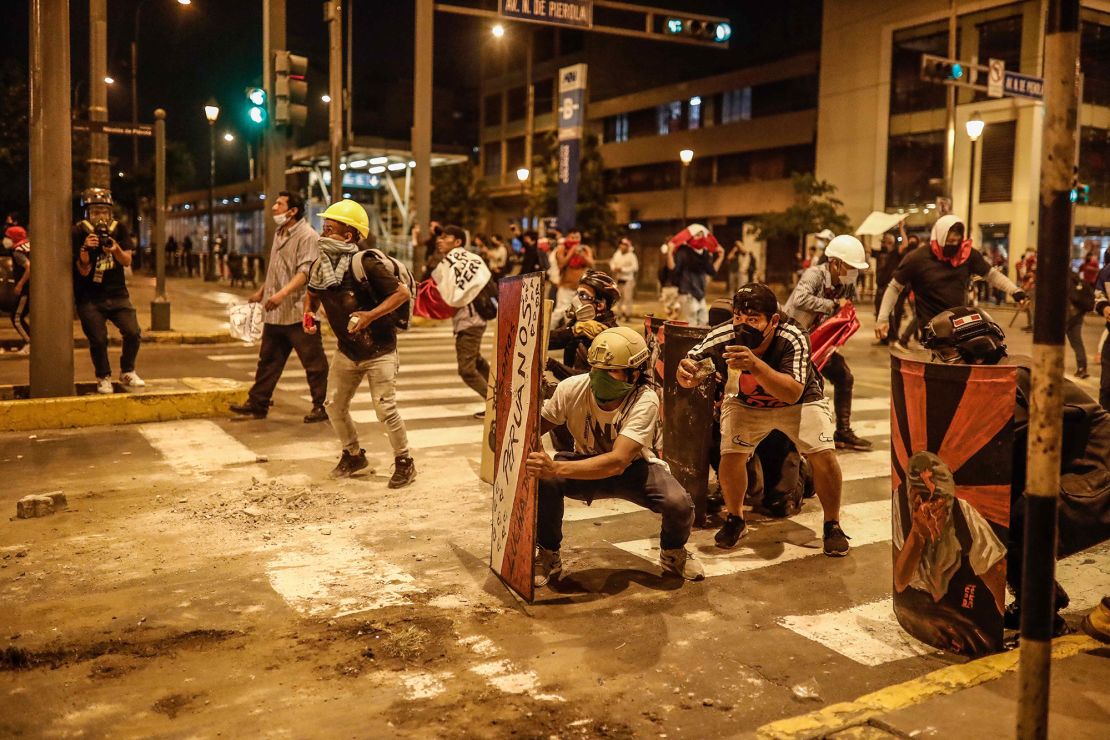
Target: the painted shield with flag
(951, 441)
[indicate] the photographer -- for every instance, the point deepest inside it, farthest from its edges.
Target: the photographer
(101, 251)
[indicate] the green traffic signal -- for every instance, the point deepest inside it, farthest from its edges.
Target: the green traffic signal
(257, 114)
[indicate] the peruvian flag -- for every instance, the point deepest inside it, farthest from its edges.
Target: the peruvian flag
(696, 237)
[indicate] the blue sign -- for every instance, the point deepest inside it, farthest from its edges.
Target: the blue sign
(1023, 86)
(571, 119)
(575, 13)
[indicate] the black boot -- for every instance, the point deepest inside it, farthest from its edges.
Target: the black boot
(845, 438)
(404, 472)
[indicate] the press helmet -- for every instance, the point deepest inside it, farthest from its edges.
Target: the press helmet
(848, 250)
(619, 348)
(965, 335)
(605, 287)
(96, 197)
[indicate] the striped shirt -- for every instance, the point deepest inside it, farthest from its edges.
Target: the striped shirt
(787, 353)
(294, 251)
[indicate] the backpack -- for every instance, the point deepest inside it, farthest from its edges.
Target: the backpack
(486, 302)
(1083, 295)
(402, 315)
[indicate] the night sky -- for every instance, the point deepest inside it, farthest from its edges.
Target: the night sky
(214, 48)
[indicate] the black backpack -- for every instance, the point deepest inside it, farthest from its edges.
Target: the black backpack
(1082, 294)
(485, 304)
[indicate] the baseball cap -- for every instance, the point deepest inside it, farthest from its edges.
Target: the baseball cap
(755, 298)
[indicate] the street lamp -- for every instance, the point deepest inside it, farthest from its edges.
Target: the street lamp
(974, 127)
(109, 80)
(211, 112)
(687, 156)
(326, 98)
(522, 175)
(229, 136)
(498, 30)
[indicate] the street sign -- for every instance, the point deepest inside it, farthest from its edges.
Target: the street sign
(995, 74)
(109, 127)
(1024, 86)
(574, 13)
(571, 120)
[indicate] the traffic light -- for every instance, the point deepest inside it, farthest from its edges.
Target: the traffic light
(256, 106)
(719, 32)
(1080, 194)
(290, 88)
(939, 69)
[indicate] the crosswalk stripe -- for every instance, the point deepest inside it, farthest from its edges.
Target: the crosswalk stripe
(864, 465)
(423, 439)
(578, 511)
(421, 413)
(196, 446)
(866, 523)
(232, 357)
(458, 393)
(871, 403)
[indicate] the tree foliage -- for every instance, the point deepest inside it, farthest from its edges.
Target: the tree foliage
(458, 197)
(14, 160)
(594, 214)
(815, 207)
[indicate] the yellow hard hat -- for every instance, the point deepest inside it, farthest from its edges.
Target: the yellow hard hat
(351, 213)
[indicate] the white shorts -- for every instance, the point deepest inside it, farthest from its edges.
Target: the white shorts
(809, 426)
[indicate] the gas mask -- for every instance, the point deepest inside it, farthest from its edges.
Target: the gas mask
(581, 310)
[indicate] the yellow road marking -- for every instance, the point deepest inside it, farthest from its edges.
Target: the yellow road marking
(940, 682)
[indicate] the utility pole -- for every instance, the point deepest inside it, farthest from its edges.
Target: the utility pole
(100, 175)
(530, 114)
(1042, 482)
(349, 135)
(333, 16)
(160, 306)
(422, 122)
(51, 176)
(273, 139)
(950, 109)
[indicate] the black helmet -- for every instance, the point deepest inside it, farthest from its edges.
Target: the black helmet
(965, 335)
(604, 286)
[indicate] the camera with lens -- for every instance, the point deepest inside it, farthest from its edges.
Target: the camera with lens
(103, 233)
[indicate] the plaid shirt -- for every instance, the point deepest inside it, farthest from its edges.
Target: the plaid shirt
(294, 251)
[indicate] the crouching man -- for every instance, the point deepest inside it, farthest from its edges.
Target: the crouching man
(611, 413)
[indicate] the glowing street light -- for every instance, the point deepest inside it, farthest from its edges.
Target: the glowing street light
(974, 127)
(687, 156)
(109, 80)
(498, 30)
(326, 98)
(522, 174)
(229, 136)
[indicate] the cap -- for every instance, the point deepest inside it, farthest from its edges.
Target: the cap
(755, 298)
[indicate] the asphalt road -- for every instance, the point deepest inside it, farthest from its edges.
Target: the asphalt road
(209, 578)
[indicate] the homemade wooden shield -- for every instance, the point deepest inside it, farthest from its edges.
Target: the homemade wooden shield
(653, 335)
(520, 360)
(951, 442)
(688, 427)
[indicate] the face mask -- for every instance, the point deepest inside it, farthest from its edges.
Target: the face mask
(951, 250)
(850, 276)
(606, 388)
(581, 310)
(747, 336)
(281, 218)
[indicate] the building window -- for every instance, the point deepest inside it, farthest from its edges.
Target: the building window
(642, 123)
(491, 155)
(764, 164)
(514, 154)
(516, 103)
(645, 177)
(996, 168)
(544, 97)
(668, 117)
(1094, 60)
(908, 92)
(1000, 39)
(914, 168)
(693, 113)
(492, 106)
(1094, 163)
(736, 105)
(784, 96)
(616, 128)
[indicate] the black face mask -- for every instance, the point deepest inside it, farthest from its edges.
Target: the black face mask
(747, 336)
(951, 250)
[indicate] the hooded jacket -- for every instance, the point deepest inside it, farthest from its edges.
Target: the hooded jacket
(939, 236)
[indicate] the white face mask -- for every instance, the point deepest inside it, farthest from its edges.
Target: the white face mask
(281, 218)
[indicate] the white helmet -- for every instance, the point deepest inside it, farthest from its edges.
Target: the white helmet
(848, 250)
(824, 235)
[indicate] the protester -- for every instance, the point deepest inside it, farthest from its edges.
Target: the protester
(590, 313)
(1090, 268)
(625, 266)
(282, 294)
(967, 335)
(900, 336)
(366, 336)
(573, 258)
(496, 255)
(771, 384)
(742, 266)
(528, 259)
(693, 255)
(1081, 301)
(101, 251)
(886, 259)
(15, 238)
(822, 291)
(1102, 307)
(668, 291)
(467, 325)
(611, 413)
(938, 275)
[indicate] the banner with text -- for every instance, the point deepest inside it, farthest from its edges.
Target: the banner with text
(572, 118)
(520, 363)
(576, 13)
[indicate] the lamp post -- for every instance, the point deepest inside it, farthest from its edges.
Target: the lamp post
(211, 112)
(974, 128)
(687, 156)
(522, 175)
(135, 80)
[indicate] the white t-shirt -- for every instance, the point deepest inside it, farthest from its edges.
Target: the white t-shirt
(624, 265)
(594, 429)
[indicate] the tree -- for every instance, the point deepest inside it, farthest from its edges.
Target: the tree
(14, 160)
(458, 197)
(594, 214)
(815, 207)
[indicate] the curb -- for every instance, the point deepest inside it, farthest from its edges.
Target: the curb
(200, 397)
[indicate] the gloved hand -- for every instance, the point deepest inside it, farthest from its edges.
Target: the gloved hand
(588, 329)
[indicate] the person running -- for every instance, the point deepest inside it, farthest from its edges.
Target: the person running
(366, 336)
(467, 324)
(281, 295)
(693, 255)
(21, 274)
(611, 413)
(771, 384)
(939, 273)
(822, 291)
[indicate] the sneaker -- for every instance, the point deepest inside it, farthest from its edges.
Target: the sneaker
(1097, 623)
(24, 350)
(728, 535)
(897, 345)
(836, 542)
(547, 566)
(316, 415)
(350, 464)
(680, 562)
(131, 380)
(1082, 373)
(249, 409)
(480, 414)
(404, 472)
(1011, 620)
(104, 385)
(846, 439)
